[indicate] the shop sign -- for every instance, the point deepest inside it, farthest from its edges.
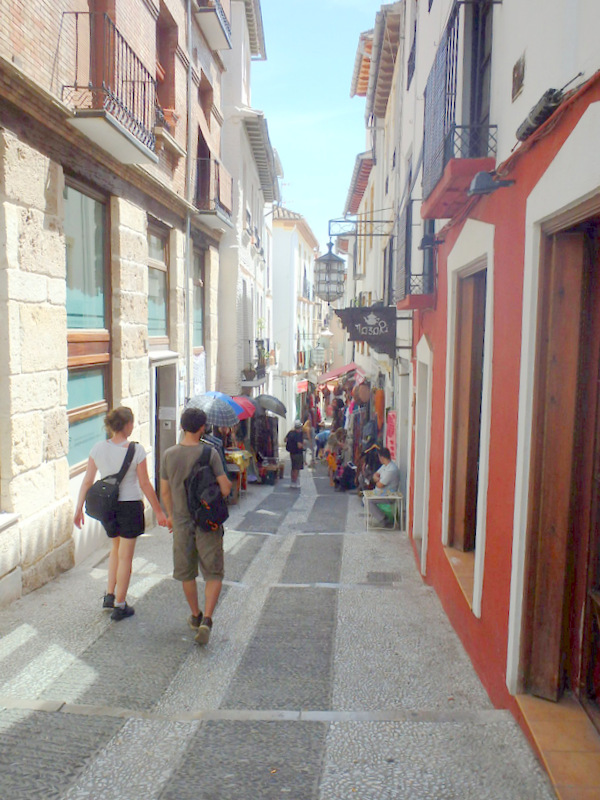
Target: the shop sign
(375, 325)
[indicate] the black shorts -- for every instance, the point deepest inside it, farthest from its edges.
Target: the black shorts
(297, 460)
(129, 522)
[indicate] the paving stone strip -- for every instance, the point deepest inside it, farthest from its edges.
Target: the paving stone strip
(331, 673)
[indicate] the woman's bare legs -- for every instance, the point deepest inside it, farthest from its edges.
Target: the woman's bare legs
(113, 561)
(125, 549)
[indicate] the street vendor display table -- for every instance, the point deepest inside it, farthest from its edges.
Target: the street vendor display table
(241, 459)
(396, 501)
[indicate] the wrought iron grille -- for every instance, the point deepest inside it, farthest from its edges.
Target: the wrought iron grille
(109, 76)
(471, 141)
(403, 252)
(420, 284)
(440, 104)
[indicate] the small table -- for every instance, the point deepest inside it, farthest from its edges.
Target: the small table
(241, 459)
(395, 500)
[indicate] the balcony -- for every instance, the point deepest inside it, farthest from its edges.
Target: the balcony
(419, 292)
(112, 94)
(466, 151)
(255, 373)
(213, 18)
(214, 193)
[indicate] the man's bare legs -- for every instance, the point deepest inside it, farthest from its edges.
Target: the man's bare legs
(212, 590)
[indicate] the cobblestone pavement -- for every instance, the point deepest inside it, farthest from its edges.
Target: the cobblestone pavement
(331, 673)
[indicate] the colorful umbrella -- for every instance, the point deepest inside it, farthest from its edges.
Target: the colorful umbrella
(237, 407)
(248, 407)
(218, 412)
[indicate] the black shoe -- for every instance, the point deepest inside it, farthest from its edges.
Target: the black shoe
(204, 630)
(121, 612)
(109, 601)
(194, 622)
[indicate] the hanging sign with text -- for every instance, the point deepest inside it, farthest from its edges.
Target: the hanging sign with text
(375, 325)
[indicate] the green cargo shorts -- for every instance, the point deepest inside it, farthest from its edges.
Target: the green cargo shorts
(194, 548)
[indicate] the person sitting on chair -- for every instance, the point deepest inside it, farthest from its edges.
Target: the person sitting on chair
(387, 480)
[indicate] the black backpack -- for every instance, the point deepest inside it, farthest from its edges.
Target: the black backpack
(205, 501)
(103, 495)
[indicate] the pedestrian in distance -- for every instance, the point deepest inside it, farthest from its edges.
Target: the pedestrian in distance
(193, 547)
(308, 434)
(321, 442)
(294, 444)
(107, 457)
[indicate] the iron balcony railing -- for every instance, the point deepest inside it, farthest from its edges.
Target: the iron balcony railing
(262, 350)
(471, 141)
(223, 9)
(214, 187)
(109, 76)
(443, 138)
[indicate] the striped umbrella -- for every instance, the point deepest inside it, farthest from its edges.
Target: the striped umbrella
(237, 407)
(218, 412)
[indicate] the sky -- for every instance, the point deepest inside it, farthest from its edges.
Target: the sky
(304, 90)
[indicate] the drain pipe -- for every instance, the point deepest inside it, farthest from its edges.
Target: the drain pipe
(187, 301)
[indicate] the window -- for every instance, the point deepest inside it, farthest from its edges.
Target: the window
(87, 319)
(157, 285)
(412, 58)
(86, 407)
(166, 46)
(198, 312)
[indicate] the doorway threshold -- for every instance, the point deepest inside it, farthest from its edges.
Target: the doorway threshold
(567, 743)
(463, 566)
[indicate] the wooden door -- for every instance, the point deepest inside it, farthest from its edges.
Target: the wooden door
(466, 420)
(553, 474)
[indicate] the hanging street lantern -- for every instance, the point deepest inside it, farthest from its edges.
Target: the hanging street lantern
(330, 276)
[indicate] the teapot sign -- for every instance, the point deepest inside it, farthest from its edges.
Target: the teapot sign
(375, 325)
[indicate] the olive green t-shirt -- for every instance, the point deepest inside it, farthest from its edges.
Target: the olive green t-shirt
(176, 465)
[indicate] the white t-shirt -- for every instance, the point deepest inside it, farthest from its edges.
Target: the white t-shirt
(389, 475)
(108, 457)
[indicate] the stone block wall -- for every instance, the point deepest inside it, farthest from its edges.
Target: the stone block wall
(129, 269)
(34, 473)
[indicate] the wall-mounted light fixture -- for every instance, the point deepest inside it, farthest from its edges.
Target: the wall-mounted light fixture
(428, 242)
(485, 183)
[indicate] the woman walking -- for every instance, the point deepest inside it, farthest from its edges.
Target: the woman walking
(108, 457)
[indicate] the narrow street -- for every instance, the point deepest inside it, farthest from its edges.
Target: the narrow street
(332, 672)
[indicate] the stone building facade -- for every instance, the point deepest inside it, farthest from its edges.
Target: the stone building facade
(113, 203)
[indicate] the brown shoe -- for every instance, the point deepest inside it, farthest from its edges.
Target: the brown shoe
(204, 630)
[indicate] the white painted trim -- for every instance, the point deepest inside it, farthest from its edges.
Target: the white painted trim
(410, 465)
(570, 180)
(472, 252)
(423, 429)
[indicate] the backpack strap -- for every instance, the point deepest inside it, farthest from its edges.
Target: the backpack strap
(205, 455)
(126, 462)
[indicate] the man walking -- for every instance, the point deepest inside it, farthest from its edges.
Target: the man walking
(294, 444)
(387, 480)
(192, 546)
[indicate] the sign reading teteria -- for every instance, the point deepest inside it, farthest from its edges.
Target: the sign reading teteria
(375, 325)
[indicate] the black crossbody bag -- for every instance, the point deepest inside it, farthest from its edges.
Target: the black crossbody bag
(103, 495)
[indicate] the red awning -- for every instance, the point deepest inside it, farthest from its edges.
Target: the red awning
(339, 372)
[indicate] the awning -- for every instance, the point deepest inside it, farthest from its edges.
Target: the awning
(340, 371)
(301, 386)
